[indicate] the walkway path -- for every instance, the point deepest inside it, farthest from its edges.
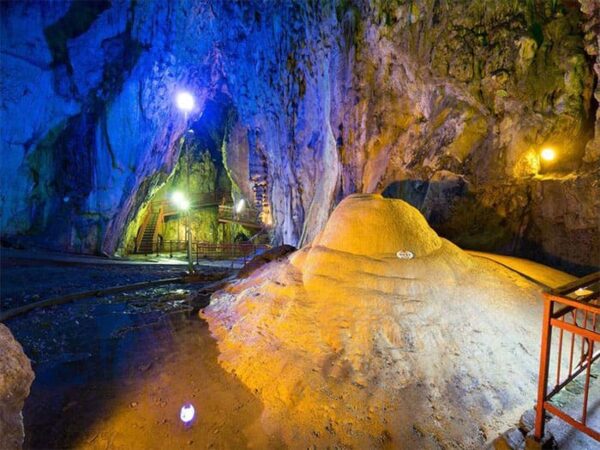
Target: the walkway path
(541, 274)
(72, 258)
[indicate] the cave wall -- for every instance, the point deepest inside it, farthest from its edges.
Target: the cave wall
(329, 98)
(87, 91)
(460, 97)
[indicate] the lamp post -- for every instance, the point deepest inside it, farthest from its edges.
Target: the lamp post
(185, 102)
(183, 204)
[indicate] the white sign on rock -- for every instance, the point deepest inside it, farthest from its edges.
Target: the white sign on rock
(405, 254)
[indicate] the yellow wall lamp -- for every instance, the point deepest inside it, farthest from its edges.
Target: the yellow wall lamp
(547, 157)
(548, 154)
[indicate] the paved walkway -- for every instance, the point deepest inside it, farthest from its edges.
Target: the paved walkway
(178, 259)
(540, 273)
(537, 272)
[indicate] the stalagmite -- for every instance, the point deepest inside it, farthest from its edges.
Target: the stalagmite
(348, 345)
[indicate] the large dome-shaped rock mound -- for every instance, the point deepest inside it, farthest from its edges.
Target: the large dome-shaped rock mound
(370, 225)
(349, 345)
(16, 377)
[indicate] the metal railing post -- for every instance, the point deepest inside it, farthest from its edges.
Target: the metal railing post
(544, 364)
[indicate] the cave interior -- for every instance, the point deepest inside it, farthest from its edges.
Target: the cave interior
(284, 224)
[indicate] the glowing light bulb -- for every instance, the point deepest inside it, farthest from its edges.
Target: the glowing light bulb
(187, 413)
(180, 201)
(239, 207)
(184, 204)
(177, 197)
(548, 154)
(185, 101)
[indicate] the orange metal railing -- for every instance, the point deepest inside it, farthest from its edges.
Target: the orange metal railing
(571, 311)
(206, 250)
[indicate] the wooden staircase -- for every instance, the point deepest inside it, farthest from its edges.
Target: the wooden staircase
(148, 233)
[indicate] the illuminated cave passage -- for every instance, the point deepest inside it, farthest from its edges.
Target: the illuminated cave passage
(200, 185)
(284, 224)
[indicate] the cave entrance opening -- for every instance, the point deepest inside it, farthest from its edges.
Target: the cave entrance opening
(217, 212)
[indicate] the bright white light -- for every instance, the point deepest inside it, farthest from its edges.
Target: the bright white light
(187, 413)
(177, 197)
(548, 154)
(185, 101)
(180, 201)
(239, 207)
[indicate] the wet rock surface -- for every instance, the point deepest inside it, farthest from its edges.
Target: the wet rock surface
(25, 281)
(114, 372)
(16, 377)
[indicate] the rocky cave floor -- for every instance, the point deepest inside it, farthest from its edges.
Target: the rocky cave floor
(24, 281)
(117, 370)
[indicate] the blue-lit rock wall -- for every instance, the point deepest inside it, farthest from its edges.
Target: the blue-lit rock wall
(451, 100)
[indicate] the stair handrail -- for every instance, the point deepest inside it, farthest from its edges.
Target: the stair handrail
(256, 235)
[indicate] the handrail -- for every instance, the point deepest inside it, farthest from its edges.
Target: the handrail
(197, 200)
(207, 250)
(170, 246)
(578, 317)
(249, 215)
(576, 284)
(255, 236)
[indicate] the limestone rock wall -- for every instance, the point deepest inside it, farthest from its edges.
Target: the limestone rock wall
(451, 101)
(456, 99)
(16, 377)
